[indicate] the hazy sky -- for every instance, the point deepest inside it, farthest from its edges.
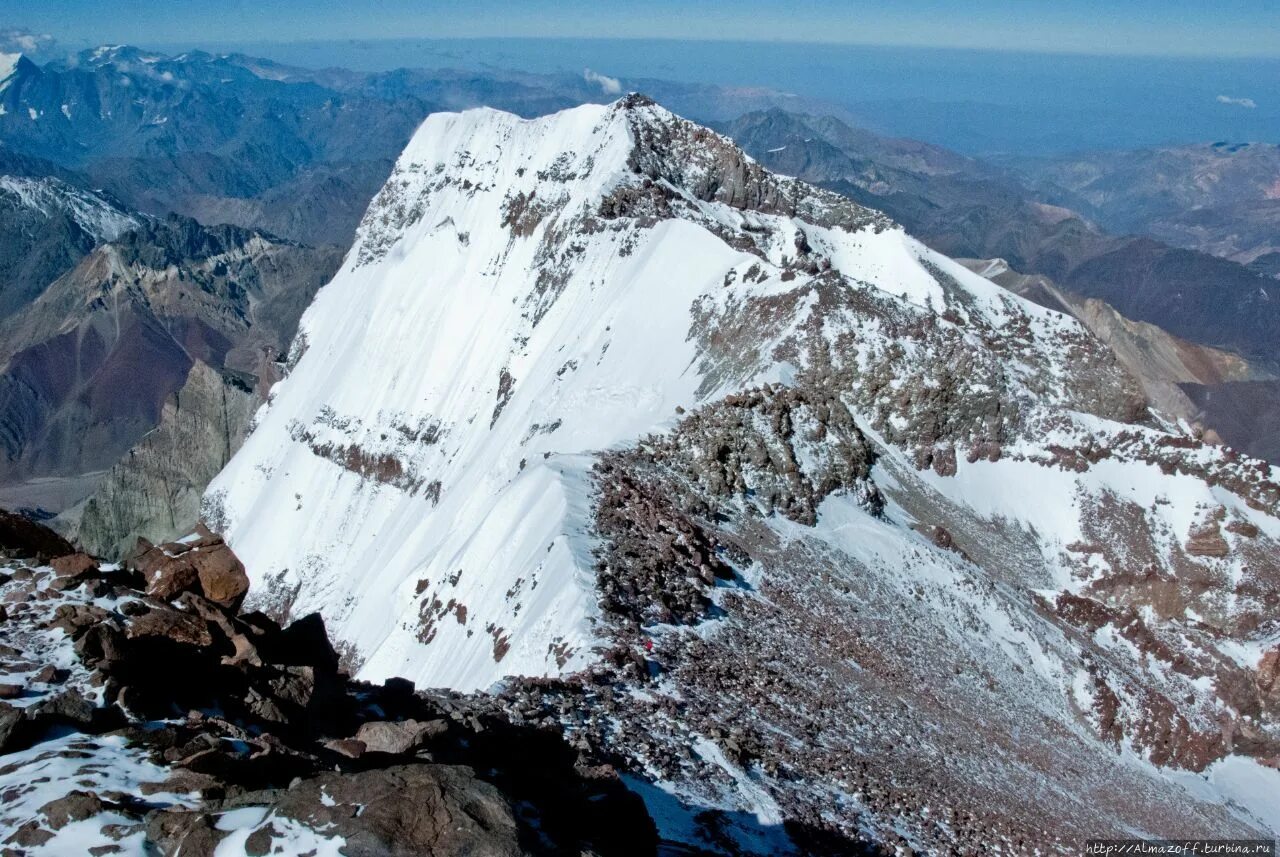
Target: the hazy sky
(1161, 27)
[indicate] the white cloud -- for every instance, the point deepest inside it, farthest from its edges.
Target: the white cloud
(1238, 102)
(609, 85)
(23, 41)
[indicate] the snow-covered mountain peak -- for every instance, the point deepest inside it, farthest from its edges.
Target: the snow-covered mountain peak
(626, 158)
(525, 293)
(595, 391)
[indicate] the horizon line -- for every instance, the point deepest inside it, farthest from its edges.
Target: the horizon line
(888, 45)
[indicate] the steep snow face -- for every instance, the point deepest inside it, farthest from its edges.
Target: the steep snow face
(95, 214)
(8, 68)
(521, 295)
(598, 381)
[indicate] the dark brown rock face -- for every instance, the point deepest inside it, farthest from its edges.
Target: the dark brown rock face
(74, 565)
(407, 810)
(712, 168)
(1207, 540)
(781, 450)
(206, 566)
(21, 536)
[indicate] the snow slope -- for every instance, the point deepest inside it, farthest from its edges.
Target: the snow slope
(402, 365)
(596, 392)
(95, 214)
(8, 67)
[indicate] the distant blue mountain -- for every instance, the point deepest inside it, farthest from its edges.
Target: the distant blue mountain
(975, 101)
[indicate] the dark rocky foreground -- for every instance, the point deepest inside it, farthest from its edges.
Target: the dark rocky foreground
(144, 713)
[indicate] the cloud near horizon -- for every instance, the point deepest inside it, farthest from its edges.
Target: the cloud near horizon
(609, 85)
(1247, 103)
(23, 41)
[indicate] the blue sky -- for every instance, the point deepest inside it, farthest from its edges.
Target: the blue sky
(1150, 27)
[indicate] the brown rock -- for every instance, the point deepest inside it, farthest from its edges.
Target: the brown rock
(73, 806)
(76, 566)
(73, 617)
(67, 706)
(23, 537)
(1243, 528)
(1268, 677)
(222, 575)
(944, 460)
(145, 558)
(172, 578)
(207, 566)
(183, 780)
(293, 686)
(30, 835)
(408, 810)
(102, 644)
(1207, 540)
(175, 548)
(10, 691)
(180, 831)
(349, 747)
(172, 624)
(10, 722)
(62, 584)
(50, 674)
(382, 736)
(245, 652)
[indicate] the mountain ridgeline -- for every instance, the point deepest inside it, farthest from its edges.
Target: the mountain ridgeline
(831, 493)
(784, 498)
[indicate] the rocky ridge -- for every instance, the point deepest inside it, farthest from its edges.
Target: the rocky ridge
(49, 223)
(143, 712)
(1182, 380)
(154, 491)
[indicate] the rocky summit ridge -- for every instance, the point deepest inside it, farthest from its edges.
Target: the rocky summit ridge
(837, 543)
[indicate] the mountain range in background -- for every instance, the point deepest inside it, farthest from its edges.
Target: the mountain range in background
(121, 136)
(979, 102)
(1221, 198)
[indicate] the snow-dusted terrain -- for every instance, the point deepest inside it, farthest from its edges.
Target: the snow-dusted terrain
(854, 539)
(97, 215)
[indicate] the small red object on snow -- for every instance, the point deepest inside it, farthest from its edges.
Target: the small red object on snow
(648, 645)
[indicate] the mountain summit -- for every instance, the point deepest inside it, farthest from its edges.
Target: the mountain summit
(831, 537)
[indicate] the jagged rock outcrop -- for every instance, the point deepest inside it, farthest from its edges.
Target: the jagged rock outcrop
(177, 725)
(154, 490)
(1182, 380)
(20, 536)
(48, 222)
(86, 370)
